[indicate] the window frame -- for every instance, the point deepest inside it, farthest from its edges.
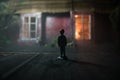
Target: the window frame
(83, 26)
(29, 27)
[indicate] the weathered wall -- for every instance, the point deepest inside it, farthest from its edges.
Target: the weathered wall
(13, 33)
(52, 23)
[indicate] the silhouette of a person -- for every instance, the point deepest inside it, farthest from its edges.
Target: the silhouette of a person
(62, 42)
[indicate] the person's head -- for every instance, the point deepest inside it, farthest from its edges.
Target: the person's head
(62, 32)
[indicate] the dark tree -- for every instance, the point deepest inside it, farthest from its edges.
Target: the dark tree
(7, 17)
(115, 19)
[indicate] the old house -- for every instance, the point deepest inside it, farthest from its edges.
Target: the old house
(83, 20)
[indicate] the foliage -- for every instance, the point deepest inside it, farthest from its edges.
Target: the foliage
(4, 40)
(52, 42)
(5, 15)
(3, 0)
(7, 18)
(114, 17)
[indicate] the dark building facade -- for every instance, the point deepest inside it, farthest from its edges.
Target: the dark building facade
(83, 20)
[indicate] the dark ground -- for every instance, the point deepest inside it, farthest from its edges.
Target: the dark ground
(98, 62)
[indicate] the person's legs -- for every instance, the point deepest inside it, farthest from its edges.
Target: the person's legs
(61, 51)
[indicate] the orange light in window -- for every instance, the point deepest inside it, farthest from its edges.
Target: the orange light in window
(76, 16)
(77, 35)
(77, 27)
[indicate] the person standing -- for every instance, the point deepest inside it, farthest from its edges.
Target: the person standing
(62, 42)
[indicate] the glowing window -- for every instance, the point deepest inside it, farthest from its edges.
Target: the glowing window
(82, 27)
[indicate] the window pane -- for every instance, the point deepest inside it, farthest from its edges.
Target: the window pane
(26, 19)
(32, 34)
(86, 19)
(26, 31)
(79, 19)
(86, 31)
(78, 24)
(32, 19)
(32, 27)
